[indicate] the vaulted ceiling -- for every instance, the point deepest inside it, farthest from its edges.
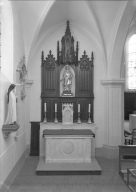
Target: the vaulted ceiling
(96, 19)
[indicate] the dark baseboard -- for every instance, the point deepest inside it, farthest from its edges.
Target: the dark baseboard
(68, 173)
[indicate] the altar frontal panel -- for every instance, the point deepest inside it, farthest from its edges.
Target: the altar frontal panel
(70, 149)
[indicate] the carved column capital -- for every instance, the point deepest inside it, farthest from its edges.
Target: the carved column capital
(113, 82)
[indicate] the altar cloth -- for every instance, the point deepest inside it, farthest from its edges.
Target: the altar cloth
(84, 126)
(68, 132)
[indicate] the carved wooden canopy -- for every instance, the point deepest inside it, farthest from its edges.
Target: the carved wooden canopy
(67, 55)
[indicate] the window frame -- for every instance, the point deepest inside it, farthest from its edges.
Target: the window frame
(131, 32)
(130, 89)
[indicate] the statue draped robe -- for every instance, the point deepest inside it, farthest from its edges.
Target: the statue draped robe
(11, 114)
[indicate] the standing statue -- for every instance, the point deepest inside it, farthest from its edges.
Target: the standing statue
(67, 79)
(12, 99)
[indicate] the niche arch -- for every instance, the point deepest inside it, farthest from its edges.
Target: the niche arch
(73, 80)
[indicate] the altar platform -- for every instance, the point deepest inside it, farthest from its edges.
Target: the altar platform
(92, 168)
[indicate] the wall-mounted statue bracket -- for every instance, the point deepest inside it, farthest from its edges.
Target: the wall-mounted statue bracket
(7, 129)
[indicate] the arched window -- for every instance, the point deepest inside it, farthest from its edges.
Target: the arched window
(131, 72)
(7, 40)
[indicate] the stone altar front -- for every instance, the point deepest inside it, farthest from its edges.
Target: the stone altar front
(65, 147)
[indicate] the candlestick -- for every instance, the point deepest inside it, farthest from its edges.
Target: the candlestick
(44, 106)
(45, 118)
(89, 108)
(89, 119)
(55, 107)
(78, 107)
(78, 121)
(56, 120)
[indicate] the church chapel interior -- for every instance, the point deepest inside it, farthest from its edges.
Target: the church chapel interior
(73, 64)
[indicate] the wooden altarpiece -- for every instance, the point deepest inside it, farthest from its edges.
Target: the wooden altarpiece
(50, 80)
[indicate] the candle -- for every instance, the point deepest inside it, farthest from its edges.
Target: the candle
(55, 107)
(45, 107)
(89, 108)
(78, 107)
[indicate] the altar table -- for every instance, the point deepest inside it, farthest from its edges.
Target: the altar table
(67, 143)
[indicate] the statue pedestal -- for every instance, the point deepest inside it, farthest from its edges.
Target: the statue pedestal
(7, 129)
(67, 94)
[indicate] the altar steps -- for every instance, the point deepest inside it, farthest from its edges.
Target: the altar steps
(92, 168)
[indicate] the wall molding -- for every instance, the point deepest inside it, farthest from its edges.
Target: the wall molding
(120, 81)
(7, 149)
(5, 186)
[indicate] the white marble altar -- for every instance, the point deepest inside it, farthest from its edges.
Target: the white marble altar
(68, 149)
(72, 148)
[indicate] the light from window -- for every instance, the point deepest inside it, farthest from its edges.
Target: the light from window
(132, 63)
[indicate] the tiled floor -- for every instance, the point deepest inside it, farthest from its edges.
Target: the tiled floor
(109, 181)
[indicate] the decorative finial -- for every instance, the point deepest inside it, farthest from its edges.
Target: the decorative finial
(42, 55)
(68, 29)
(92, 57)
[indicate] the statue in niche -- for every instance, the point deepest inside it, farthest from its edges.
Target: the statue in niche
(12, 99)
(67, 81)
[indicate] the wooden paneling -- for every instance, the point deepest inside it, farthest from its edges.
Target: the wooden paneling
(50, 106)
(50, 80)
(129, 104)
(49, 76)
(127, 153)
(34, 145)
(85, 77)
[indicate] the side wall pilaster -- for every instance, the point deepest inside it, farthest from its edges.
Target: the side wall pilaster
(114, 117)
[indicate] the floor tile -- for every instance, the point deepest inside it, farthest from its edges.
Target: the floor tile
(108, 181)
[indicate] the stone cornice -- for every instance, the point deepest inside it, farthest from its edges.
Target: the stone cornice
(113, 81)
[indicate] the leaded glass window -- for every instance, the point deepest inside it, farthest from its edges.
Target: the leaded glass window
(132, 63)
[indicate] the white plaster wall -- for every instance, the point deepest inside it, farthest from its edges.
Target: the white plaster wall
(11, 149)
(34, 70)
(5, 145)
